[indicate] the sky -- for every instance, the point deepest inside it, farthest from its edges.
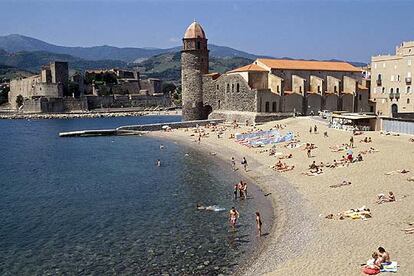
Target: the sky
(310, 29)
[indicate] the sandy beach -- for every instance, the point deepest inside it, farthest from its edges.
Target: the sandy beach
(302, 241)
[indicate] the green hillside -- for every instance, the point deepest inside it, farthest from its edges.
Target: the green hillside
(168, 66)
(32, 61)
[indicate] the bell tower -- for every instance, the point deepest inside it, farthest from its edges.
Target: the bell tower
(194, 64)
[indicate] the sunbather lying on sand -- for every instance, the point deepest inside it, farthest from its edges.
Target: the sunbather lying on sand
(411, 178)
(403, 171)
(287, 168)
(381, 198)
(287, 156)
(343, 183)
(313, 172)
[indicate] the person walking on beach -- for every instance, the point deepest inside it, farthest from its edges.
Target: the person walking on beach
(233, 164)
(233, 215)
(240, 188)
(315, 129)
(309, 153)
(244, 163)
(351, 141)
(310, 130)
(235, 188)
(259, 224)
(199, 137)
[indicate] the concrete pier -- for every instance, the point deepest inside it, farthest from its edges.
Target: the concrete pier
(136, 129)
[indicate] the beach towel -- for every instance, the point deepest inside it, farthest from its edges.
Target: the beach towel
(392, 267)
(370, 271)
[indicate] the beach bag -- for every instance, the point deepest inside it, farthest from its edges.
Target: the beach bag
(370, 271)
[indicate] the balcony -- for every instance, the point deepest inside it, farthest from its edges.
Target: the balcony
(408, 80)
(379, 82)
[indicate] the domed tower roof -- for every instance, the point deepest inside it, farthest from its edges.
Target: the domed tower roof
(194, 31)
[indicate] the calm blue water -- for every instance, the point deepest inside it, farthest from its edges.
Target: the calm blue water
(100, 206)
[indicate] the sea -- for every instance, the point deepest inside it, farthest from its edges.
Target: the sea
(101, 205)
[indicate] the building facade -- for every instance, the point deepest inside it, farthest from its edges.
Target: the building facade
(266, 88)
(392, 81)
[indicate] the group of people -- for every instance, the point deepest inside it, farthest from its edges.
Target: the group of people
(240, 189)
(376, 263)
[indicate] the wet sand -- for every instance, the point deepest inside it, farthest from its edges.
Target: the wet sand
(302, 241)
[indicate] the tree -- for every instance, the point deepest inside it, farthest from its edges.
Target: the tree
(167, 87)
(19, 101)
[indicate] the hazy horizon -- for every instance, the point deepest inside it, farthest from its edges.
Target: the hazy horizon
(312, 29)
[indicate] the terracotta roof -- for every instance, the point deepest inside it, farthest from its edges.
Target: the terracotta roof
(249, 68)
(194, 31)
(309, 65)
(213, 75)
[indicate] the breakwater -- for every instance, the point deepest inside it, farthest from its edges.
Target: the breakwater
(136, 129)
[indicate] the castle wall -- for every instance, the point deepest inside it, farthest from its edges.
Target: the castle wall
(293, 103)
(314, 103)
(268, 101)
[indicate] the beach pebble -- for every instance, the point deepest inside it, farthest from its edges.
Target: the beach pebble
(206, 263)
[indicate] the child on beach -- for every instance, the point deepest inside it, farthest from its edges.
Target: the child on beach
(259, 224)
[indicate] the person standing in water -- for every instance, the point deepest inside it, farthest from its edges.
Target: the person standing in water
(259, 224)
(235, 188)
(244, 163)
(158, 163)
(233, 215)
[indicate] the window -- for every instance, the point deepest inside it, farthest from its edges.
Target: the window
(397, 91)
(238, 87)
(267, 107)
(360, 97)
(379, 76)
(274, 104)
(300, 89)
(232, 87)
(335, 89)
(391, 90)
(198, 45)
(408, 89)
(408, 101)
(383, 90)
(319, 89)
(217, 87)
(278, 89)
(228, 87)
(398, 78)
(218, 104)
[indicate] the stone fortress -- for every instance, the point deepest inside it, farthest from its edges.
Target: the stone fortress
(267, 89)
(50, 92)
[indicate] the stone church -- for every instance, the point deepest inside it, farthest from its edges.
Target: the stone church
(267, 89)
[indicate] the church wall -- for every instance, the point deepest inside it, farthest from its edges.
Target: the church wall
(293, 103)
(268, 102)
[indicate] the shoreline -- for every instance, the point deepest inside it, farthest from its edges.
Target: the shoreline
(80, 115)
(302, 241)
(288, 229)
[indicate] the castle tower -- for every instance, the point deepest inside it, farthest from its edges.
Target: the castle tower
(194, 63)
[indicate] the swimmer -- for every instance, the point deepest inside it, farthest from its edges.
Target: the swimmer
(161, 146)
(158, 163)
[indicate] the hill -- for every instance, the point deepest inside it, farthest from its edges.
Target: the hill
(18, 43)
(168, 66)
(32, 61)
